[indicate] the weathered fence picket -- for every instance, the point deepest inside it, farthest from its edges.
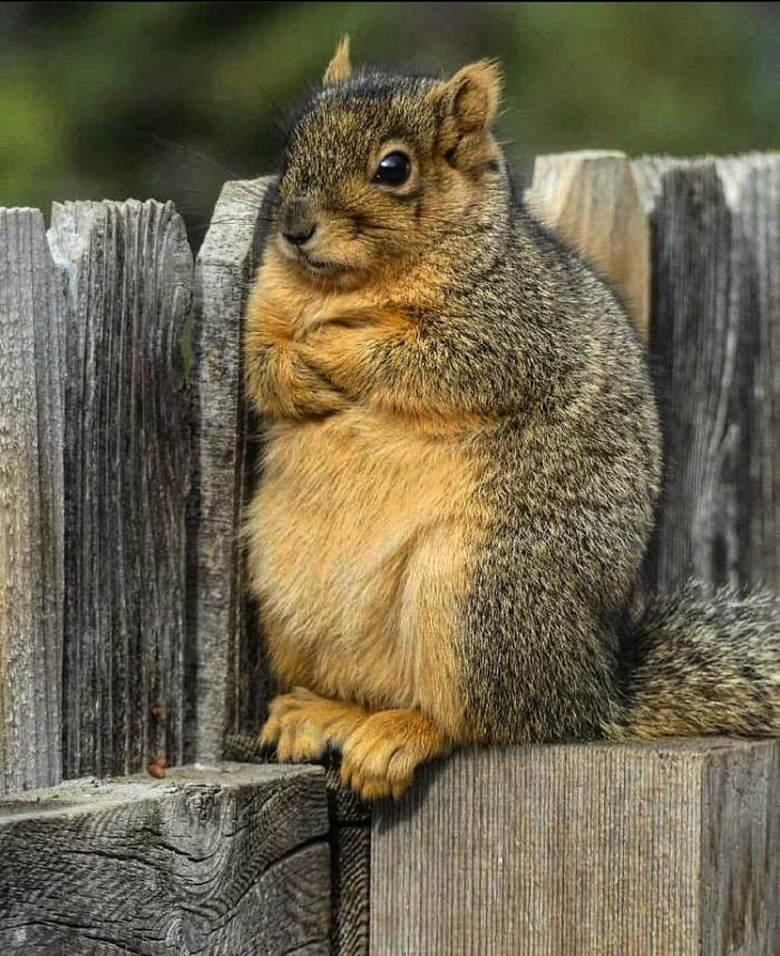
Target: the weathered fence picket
(31, 505)
(591, 199)
(126, 634)
(715, 350)
(231, 681)
(127, 268)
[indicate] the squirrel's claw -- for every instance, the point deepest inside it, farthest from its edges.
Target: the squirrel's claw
(289, 729)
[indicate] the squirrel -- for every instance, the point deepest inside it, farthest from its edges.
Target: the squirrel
(462, 461)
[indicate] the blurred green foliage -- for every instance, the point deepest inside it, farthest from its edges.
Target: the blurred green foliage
(170, 99)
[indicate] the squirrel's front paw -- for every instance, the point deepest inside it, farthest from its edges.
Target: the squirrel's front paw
(381, 755)
(294, 735)
(302, 725)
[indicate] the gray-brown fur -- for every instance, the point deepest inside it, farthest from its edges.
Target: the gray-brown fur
(573, 475)
(704, 663)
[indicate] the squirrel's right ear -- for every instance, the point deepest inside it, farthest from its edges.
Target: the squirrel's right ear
(471, 97)
(339, 68)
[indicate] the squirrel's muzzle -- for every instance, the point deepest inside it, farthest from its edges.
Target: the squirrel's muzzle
(297, 221)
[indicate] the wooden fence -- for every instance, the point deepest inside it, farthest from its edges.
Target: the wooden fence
(127, 641)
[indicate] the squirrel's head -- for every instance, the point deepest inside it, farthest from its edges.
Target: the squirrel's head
(379, 168)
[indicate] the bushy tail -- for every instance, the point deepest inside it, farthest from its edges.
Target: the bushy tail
(700, 664)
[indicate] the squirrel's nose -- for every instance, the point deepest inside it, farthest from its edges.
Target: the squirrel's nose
(300, 234)
(297, 221)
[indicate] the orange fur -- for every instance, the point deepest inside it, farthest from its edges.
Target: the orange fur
(380, 750)
(301, 725)
(340, 67)
(357, 540)
(357, 554)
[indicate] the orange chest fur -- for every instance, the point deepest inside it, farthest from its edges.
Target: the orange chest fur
(359, 537)
(283, 306)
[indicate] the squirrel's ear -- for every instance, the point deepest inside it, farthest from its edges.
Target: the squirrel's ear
(339, 68)
(472, 96)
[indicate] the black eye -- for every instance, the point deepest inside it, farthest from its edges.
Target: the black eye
(394, 169)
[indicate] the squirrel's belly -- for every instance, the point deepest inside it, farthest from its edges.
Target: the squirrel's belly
(359, 539)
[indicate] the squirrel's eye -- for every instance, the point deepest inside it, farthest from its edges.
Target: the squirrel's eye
(394, 169)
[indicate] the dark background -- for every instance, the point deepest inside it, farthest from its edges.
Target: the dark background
(109, 100)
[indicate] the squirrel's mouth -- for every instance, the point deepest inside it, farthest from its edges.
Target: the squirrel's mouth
(319, 266)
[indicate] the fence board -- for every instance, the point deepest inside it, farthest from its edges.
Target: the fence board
(31, 504)
(227, 863)
(715, 349)
(600, 850)
(232, 678)
(128, 271)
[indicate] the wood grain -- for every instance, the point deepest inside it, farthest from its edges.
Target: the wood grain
(351, 852)
(31, 504)
(128, 272)
(594, 850)
(740, 852)
(715, 350)
(232, 676)
(591, 200)
(350, 841)
(220, 863)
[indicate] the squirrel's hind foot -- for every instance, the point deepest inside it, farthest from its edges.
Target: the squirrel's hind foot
(380, 751)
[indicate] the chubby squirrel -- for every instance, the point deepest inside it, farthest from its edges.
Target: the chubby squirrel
(462, 461)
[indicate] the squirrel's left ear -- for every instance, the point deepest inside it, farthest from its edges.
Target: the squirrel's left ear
(339, 68)
(472, 96)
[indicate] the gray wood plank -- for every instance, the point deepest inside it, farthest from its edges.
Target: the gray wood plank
(128, 271)
(350, 821)
(589, 849)
(232, 677)
(715, 348)
(221, 863)
(740, 854)
(31, 504)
